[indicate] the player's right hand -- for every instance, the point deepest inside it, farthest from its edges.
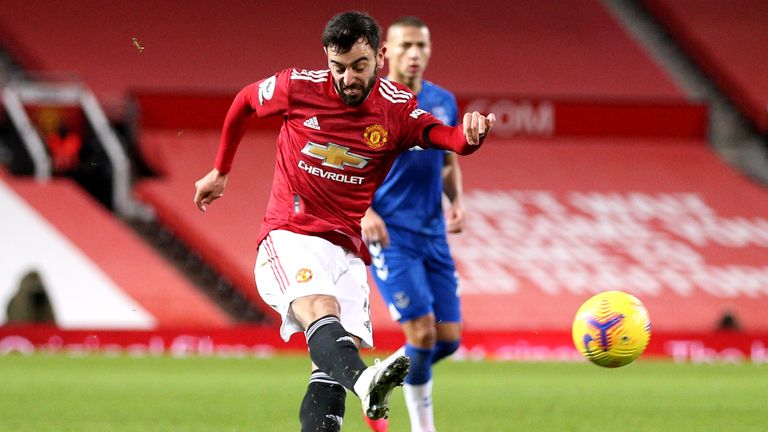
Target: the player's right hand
(454, 217)
(374, 228)
(209, 188)
(477, 126)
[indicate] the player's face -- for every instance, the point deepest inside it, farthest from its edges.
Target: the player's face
(354, 72)
(408, 52)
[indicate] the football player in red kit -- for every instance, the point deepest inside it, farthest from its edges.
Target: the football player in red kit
(342, 130)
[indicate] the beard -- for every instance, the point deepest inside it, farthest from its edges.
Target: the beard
(360, 95)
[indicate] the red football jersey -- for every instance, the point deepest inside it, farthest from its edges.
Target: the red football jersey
(331, 157)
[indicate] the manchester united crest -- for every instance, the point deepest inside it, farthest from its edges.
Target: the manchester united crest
(375, 136)
(304, 275)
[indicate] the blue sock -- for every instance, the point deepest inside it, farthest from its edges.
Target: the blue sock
(443, 349)
(421, 365)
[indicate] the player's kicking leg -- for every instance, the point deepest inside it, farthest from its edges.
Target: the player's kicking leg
(335, 352)
(310, 281)
(339, 365)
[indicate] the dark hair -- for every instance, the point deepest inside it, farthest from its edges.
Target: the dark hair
(408, 21)
(345, 29)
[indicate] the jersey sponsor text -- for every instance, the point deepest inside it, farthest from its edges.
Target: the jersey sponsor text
(337, 177)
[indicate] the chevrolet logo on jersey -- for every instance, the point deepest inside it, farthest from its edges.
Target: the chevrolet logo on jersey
(334, 155)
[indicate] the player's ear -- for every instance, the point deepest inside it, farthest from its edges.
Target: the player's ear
(380, 56)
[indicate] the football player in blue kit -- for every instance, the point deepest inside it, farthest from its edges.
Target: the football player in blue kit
(406, 228)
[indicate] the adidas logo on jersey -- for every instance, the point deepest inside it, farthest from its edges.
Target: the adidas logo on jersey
(312, 123)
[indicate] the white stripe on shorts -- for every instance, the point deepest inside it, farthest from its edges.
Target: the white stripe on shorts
(274, 263)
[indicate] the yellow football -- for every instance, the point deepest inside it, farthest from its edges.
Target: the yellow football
(611, 329)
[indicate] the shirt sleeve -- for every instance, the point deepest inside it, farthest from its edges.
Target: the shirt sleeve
(426, 131)
(270, 96)
(450, 138)
(264, 98)
(413, 121)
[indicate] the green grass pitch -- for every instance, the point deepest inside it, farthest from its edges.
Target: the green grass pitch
(125, 394)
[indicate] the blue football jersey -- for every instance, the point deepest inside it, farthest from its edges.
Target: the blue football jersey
(411, 195)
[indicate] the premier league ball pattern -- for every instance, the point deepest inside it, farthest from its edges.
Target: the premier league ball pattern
(611, 329)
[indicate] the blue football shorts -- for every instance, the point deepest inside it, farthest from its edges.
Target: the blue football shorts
(416, 275)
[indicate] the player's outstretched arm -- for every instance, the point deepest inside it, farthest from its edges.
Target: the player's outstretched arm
(209, 188)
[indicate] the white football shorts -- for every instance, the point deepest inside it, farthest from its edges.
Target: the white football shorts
(291, 265)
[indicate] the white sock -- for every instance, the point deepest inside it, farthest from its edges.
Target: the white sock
(418, 399)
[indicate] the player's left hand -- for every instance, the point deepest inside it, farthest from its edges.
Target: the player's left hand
(454, 218)
(477, 126)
